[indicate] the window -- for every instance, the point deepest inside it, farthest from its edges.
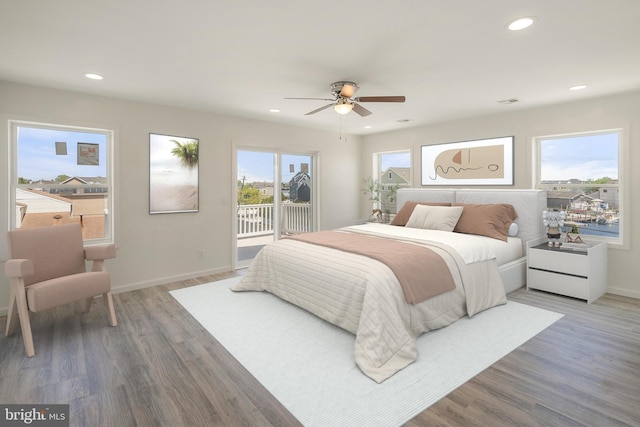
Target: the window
(581, 173)
(393, 171)
(59, 175)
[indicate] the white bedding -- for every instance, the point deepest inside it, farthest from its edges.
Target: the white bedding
(363, 296)
(471, 248)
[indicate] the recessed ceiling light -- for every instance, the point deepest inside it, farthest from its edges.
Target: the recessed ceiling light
(93, 76)
(521, 23)
(578, 87)
(274, 110)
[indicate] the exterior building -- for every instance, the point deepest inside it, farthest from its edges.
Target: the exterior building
(300, 187)
(38, 207)
(390, 180)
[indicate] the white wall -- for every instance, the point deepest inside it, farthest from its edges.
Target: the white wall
(154, 249)
(619, 111)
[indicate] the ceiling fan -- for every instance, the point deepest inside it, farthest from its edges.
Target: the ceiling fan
(343, 100)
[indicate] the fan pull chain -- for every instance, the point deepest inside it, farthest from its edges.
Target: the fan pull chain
(341, 128)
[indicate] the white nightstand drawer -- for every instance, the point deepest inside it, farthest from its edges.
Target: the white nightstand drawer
(558, 283)
(562, 262)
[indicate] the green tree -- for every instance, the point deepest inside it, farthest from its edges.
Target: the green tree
(187, 153)
(248, 196)
(62, 178)
(603, 180)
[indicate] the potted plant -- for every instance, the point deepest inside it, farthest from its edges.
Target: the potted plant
(371, 188)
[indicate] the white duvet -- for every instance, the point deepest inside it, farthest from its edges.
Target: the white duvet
(363, 296)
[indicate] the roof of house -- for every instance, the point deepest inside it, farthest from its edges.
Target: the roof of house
(92, 225)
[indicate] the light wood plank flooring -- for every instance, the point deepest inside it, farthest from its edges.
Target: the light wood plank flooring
(159, 367)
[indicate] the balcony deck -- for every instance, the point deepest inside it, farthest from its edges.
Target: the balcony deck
(255, 225)
(248, 247)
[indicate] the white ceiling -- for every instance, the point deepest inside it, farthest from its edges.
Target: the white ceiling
(451, 59)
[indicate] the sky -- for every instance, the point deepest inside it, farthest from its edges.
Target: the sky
(258, 166)
(398, 160)
(37, 157)
(581, 157)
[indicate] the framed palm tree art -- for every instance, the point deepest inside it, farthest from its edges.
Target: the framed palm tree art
(173, 174)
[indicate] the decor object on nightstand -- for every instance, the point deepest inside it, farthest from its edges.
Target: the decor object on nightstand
(383, 199)
(377, 216)
(553, 220)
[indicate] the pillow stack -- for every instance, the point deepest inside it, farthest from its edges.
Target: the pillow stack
(491, 220)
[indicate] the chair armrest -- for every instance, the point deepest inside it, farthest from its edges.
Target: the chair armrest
(18, 267)
(99, 252)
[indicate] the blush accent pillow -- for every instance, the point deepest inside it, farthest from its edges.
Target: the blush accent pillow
(491, 220)
(443, 218)
(405, 212)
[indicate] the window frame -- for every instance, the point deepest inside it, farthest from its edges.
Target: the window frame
(378, 173)
(14, 125)
(622, 241)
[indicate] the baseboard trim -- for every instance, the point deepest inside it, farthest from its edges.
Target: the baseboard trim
(155, 282)
(165, 280)
(623, 292)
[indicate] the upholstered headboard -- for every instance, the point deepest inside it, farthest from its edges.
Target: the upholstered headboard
(529, 204)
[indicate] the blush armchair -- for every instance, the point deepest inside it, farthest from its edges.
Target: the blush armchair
(47, 269)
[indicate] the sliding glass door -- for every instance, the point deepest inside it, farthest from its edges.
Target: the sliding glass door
(275, 197)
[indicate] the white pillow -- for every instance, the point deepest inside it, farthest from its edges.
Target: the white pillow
(513, 230)
(442, 218)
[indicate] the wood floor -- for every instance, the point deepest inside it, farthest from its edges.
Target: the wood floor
(159, 367)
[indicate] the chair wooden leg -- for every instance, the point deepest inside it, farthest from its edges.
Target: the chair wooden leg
(12, 313)
(87, 304)
(108, 299)
(25, 322)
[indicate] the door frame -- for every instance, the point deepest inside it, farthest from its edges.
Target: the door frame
(278, 153)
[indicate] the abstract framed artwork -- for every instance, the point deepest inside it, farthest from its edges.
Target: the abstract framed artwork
(477, 162)
(173, 174)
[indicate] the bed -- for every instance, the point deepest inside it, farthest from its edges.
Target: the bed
(366, 297)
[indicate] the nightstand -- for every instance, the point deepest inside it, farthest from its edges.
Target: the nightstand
(575, 273)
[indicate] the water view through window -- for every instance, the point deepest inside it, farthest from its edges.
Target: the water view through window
(581, 176)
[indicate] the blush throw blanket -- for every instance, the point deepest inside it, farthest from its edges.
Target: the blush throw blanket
(421, 272)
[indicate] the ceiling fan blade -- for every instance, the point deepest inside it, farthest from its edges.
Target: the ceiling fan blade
(319, 109)
(348, 90)
(317, 99)
(380, 99)
(361, 110)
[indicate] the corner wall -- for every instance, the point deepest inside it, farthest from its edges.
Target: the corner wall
(611, 112)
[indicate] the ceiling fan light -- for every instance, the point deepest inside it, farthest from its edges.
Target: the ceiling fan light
(343, 106)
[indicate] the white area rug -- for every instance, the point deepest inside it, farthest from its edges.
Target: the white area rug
(307, 364)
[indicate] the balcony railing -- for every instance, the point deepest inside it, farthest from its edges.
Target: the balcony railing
(258, 220)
